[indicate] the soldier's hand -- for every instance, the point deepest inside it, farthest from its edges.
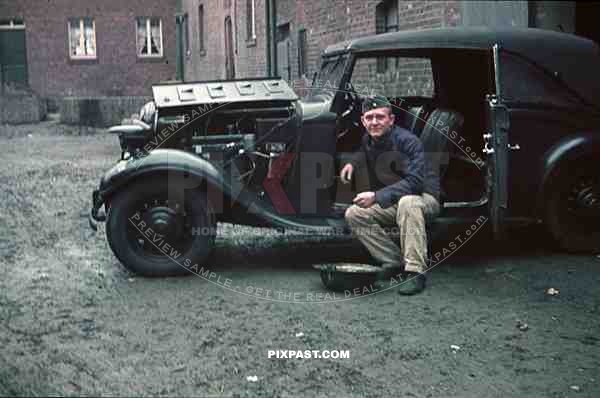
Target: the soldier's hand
(346, 173)
(364, 199)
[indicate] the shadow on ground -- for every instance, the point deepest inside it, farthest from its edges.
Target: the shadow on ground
(285, 253)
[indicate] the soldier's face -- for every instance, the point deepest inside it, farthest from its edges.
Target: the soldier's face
(377, 121)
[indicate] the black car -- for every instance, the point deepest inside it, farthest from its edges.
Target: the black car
(516, 113)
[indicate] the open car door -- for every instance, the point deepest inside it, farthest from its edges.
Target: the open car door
(496, 152)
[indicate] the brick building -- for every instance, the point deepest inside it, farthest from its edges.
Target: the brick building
(78, 48)
(249, 38)
(116, 48)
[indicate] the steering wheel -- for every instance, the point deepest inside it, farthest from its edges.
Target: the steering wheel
(350, 117)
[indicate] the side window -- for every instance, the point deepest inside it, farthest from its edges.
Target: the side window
(82, 38)
(524, 82)
(403, 76)
(149, 37)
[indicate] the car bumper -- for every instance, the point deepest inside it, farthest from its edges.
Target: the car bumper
(96, 213)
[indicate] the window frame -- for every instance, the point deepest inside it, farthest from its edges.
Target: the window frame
(558, 95)
(422, 54)
(12, 24)
(148, 21)
(186, 27)
(81, 21)
(251, 22)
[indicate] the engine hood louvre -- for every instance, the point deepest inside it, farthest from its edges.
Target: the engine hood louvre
(233, 91)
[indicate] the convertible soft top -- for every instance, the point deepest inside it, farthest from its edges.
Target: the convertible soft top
(574, 59)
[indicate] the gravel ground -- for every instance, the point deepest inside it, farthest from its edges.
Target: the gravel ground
(73, 321)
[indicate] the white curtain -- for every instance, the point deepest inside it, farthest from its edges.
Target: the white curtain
(155, 36)
(90, 40)
(142, 41)
(75, 34)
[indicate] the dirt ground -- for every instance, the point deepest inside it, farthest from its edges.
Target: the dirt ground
(73, 321)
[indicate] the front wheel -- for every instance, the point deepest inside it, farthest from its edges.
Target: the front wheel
(153, 233)
(573, 209)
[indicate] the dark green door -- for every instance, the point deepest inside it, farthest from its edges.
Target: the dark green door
(13, 57)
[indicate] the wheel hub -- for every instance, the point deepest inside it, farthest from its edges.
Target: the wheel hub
(164, 221)
(585, 200)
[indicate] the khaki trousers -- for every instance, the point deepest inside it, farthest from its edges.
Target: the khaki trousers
(373, 225)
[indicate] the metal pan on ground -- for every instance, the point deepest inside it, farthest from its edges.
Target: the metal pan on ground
(347, 276)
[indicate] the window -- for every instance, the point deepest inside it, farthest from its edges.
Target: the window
(328, 79)
(186, 27)
(302, 52)
(229, 57)
(250, 21)
(525, 83)
(82, 38)
(409, 76)
(12, 24)
(386, 20)
(149, 37)
(201, 28)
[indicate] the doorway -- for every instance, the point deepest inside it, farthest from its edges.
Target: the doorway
(13, 54)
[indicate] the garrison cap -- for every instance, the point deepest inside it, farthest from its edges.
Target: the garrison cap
(375, 101)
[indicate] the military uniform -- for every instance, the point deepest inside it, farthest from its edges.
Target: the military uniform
(406, 193)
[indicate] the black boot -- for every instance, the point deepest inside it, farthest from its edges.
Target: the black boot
(388, 271)
(412, 283)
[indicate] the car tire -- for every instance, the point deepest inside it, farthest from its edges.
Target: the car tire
(187, 249)
(572, 211)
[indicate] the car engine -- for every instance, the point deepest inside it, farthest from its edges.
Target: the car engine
(240, 126)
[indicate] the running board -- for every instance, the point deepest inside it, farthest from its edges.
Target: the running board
(447, 205)
(466, 205)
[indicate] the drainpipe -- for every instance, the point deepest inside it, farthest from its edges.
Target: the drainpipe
(268, 35)
(271, 18)
(179, 17)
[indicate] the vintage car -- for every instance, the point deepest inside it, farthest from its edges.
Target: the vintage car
(515, 112)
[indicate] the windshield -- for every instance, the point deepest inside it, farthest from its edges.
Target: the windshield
(327, 81)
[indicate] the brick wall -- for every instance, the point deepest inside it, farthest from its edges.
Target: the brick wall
(117, 71)
(20, 106)
(209, 62)
(251, 57)
(325, 23)
(402, 75)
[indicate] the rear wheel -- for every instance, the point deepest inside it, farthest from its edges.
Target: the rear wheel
(573, 208)
(153, 233)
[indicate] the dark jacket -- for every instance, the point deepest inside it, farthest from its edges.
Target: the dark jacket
(394, 166)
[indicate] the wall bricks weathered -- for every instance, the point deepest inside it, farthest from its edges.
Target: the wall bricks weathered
(117, 71)
(325, 23)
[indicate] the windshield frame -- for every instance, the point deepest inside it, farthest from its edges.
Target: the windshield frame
(328, 80)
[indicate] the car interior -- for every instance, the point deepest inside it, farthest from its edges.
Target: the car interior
(452, 122)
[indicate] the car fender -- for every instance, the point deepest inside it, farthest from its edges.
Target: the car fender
(173, 160)
(567, 150)
(157, 161)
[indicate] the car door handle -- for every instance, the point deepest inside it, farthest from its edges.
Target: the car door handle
(515, 147)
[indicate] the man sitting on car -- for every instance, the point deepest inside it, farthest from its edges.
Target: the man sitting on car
(405, 196)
